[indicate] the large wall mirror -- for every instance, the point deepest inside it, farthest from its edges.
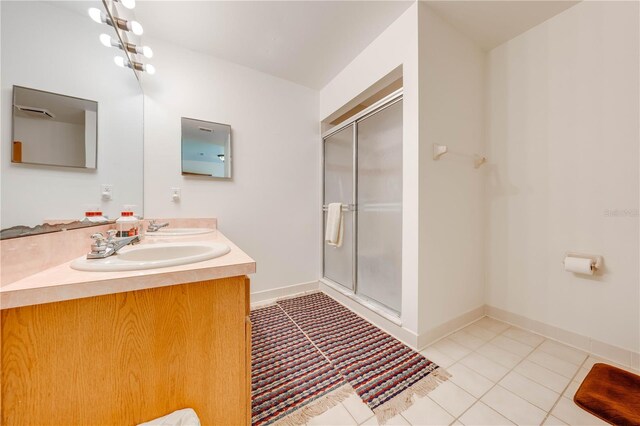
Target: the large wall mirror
(72, 121)
(206, 149)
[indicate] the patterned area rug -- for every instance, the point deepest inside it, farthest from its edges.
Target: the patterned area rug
(288, 372)
(385, 373)
(310, 352)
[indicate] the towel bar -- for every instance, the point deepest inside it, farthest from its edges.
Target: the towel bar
(345, 207)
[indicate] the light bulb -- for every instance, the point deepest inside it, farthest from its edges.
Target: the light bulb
(150, 69)
(97, 15)
(135, 27)
(105, 39)
(119, 60)
(146, 51)
(129, 4)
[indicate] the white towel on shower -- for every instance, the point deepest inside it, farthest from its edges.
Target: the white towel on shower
(335, 225)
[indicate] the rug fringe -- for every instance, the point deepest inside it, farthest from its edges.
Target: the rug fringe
(405, 399)
(315, 408)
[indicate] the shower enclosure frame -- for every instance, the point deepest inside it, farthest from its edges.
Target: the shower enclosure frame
(381, 105)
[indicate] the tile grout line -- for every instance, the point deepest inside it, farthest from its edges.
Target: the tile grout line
(565, 389)
(548, 412)
(445, 369)
(496, 383)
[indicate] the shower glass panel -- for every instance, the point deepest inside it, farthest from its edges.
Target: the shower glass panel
(379, 207)
(338, 188)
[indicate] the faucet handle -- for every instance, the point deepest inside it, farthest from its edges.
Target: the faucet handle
(98, 237)
(111, 233)
(99, 243)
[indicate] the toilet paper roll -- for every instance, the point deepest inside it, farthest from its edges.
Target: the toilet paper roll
(579, 265)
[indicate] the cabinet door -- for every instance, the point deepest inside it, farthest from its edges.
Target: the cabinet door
(128, 358)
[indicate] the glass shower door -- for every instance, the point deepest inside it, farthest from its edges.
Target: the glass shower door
(339, 188)
(379, 177)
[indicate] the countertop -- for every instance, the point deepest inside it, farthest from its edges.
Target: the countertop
(61, 283)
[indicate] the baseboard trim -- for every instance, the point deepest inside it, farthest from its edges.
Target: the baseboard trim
(598, 348)
(624, 357)
(445, 329)
(377, 309)
(267, 297)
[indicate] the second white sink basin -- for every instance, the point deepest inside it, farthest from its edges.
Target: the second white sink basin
(152, 256)
(178, 232)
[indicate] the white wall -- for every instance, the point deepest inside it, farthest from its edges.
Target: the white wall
(51, 142)
(563, 147)
(451, 189)
(269, 208)
(396, 46)
(442, 202)
(50, 48)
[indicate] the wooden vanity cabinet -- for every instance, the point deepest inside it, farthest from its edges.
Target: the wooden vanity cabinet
(127, 358)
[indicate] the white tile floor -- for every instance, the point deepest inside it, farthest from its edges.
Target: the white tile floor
(501, 375)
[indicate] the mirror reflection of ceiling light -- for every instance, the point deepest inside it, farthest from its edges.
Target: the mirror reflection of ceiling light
(129, 4)
(101, 18)
(138, 66)
(122, 42)
(109, 41)
(97, 15)
(221, 157)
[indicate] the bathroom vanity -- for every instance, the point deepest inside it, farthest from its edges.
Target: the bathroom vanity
(101, 347)
(126, 347)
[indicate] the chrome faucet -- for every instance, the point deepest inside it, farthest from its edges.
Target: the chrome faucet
(153, 226)
(104, 247)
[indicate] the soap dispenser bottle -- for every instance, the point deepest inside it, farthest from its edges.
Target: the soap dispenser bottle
(127, 224)
(93, 214)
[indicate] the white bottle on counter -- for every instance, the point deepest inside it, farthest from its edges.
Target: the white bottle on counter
(127, 224)
(93, 214)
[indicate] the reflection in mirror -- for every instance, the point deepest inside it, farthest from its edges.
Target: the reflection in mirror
(55, 47)
(206, 148)
(54, 129)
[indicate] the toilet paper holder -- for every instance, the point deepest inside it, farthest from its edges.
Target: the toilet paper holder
(596, 261)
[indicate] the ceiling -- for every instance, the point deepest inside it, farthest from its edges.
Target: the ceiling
(78, 6)
(491, 23)
(307, 42)
(205, 132)
(66, 109)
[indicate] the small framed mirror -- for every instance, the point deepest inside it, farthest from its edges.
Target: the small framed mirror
(54, 130)
(206, 149)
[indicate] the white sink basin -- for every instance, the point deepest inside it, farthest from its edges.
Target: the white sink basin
(151, 256)
(178, 232)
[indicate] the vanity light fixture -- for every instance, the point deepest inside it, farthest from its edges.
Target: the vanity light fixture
(99, 16)
(221, 157)
(138, 66)
(109, 41)
(129, 4)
